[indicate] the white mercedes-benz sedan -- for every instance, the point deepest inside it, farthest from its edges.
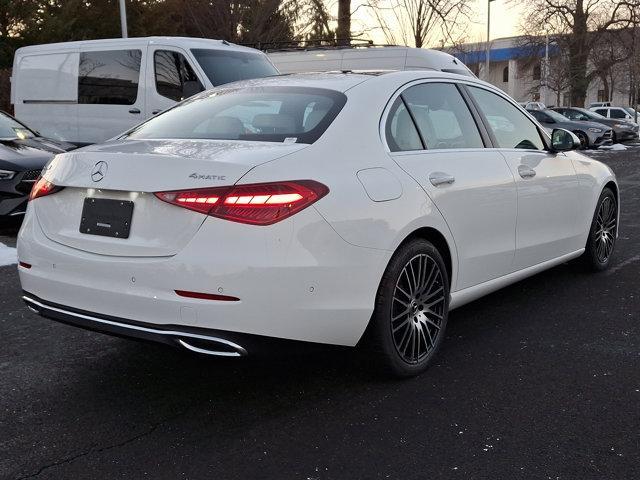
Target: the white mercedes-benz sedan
(337, 208)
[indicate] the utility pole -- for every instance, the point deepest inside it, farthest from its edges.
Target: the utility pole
(546, 69)
(488, 52)
(123, 18)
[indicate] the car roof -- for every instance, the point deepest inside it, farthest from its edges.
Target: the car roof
(187, 42)
(344, 80)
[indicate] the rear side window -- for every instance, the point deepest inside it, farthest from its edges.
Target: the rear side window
(109, 77)
(511, 127)
(602, 111)
(222, 66)
(269, 114)
(175, 79)
(442, 116)
(401, 132)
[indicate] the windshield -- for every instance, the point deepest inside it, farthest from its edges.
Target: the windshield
(222, 66)
(631, 111)
(268, 114)
(10, 129)
(556, 116)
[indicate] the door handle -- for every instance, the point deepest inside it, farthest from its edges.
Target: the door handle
(526, 172)
(155, 112)
(135, 111)
(441, 178)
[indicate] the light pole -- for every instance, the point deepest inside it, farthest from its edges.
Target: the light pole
(123, 18)
(488, 52)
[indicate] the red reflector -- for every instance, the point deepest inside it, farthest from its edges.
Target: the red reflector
(25, 265)
(256, 204)
(207, 296)
(42, 188)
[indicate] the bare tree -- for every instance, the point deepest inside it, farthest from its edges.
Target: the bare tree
(344, 22)
(424, 22)
(579, 26)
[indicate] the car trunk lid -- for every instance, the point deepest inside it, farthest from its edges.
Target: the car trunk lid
(130, 172)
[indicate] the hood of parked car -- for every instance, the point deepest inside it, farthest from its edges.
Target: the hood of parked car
(29, 154)
(579, 125)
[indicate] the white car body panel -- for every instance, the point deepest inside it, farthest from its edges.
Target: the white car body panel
(313, 276)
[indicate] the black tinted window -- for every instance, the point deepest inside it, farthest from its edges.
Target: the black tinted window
(510, 126)
(109, 77)
(602, 112)
(268, 114)
(175, 79)
(442, 116)
(618, 114)
(229, 66)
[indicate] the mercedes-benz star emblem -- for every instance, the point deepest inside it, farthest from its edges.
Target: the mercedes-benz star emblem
(99, 171)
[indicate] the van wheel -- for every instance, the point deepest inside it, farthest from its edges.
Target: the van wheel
(602, 235)
(411, 309)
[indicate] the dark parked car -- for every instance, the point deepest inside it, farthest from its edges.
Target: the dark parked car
(591, 134)
(23, 154)
(622, 130)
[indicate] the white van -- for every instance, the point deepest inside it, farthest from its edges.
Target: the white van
(323, 59)
(86, 92)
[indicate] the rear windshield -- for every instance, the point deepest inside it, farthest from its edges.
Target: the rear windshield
(268, 114)
(228, 66)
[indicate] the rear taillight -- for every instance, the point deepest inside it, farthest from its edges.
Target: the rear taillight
(42, 188)
(257, 204)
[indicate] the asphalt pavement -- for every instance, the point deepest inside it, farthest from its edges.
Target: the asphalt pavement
(540, 380)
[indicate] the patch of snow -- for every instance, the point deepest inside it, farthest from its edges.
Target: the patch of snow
(8, 255)
(616, 146)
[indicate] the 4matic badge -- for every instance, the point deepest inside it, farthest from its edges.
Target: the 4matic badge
(200, 176)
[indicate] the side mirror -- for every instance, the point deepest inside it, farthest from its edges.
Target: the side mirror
(563, 140)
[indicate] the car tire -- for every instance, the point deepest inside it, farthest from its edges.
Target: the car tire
(584, 139)
(411, 310)
(602, 234)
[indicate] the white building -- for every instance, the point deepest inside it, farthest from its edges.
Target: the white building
(519, 71)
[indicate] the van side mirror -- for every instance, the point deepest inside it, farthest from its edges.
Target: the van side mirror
(190, 88)
(563, 140)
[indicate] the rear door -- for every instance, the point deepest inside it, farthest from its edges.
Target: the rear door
(548, 188)
(171, 77)
(110, 91)
(433, 136)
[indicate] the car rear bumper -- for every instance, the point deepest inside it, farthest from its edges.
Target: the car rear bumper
(198, 340)
(305, 284)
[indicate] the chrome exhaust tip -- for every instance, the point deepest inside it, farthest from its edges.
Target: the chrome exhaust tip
(228, 349)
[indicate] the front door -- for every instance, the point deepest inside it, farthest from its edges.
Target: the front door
(548, 187)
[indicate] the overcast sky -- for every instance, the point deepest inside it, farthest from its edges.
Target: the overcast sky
(505, 20)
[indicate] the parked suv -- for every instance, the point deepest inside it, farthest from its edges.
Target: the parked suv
(591, 134)
(621, 130)
(87, 92)
(618, 113)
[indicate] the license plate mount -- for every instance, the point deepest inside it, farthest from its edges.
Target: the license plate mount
(106, 217)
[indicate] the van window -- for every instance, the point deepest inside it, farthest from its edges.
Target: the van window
(175, 79)
(266, 114)
(222, 66)
(109, 77)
